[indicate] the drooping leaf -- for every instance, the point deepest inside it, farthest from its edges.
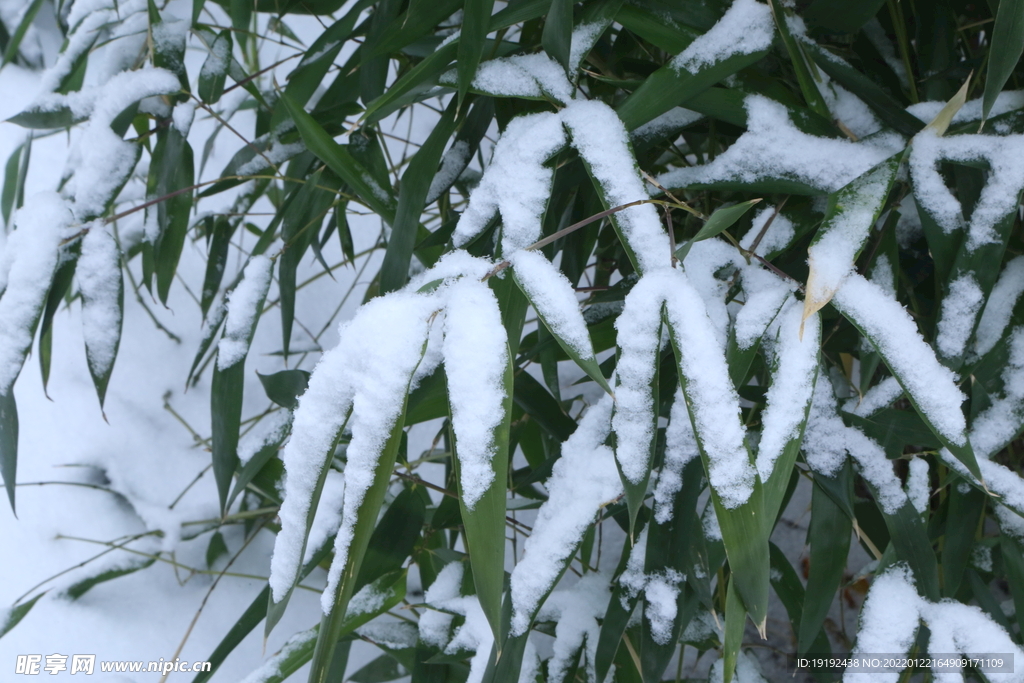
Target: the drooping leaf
(1003, 55)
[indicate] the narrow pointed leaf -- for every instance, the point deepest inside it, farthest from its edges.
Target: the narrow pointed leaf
(557, 36)
(9, 443)
(17, 613)
(19, 33)
(1007, 46)
(476, 19)
(720, 221)
(735, 621)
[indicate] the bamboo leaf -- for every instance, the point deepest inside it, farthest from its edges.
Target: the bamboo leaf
(735, 620)
(129, 566)
(1003, 55)
(9, 444)
(476, 19)
(721, 220)
(215, 68)
(285, 387)
(557, 36)
(965, 510)
(807, 80)
(171, 170)
(19, 33)
(17, 613)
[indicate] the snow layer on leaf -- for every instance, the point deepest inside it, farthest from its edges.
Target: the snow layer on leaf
(272, 667)
(434, 625)
(832, 255)
(1007, 101)
(328, 514)
(368, 374)
(600, 137)
(639, 340)
(876, 398)
(475, 358)
(515, 183)
(960, 308)
(704, 267)
(956, 628)
(184, 114)
(632, 580)
(709, 523)
(777, 237)
(451, 266)
(583, 479)
(476, 635)
(713, 400)
(27, 265)
(883, 275)
(584, 37)
(789, 396)
(452, 164)
(672, 120)
(998, 424)
(825, 452)
(1005, 157)
(680, 448)
(774, 148)
(747, 670)
(918, 486)
(552, 295)
(244, 303)
(99, 280)
(101, 159)
(745, 28)
(270, 429)
(893, 332)
(660, 608)
(765, 294)
(888, 622)
(576, 611)
(999, 306)
(533, 75)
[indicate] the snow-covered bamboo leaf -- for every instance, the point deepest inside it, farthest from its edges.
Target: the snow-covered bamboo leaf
(219, 231)
(14, 43)
(292, 656)
(245, 304)
(617, 616)
(46, 118)
(15, 172)
(257, 449)
(741, 38)
(930, 386)
(797, 57)
(1007, 46)
(123, 568)
(478, 366)
(415, 185)
(829, 538)
(593, 22)
(215, 68)
(552, 296)
(851, 213)
(100, 281)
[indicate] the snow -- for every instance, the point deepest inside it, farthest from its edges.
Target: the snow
(877, 397)
(576, 611)
(475, 360)
(98, 272)
(747, 670)
(244, 305)
(515, 183)
(998, 424)
(840, 239)
(27, 265)
(534, 75)
(680, 448)
(600, 137)
(582, 481)
(874, 32)
(746, 27)
(882, 275)
(713, 401)
(1005, 158)
(893, 332)
(789, 396)
(272, 666)
(269, 430)
(765, 295)
(584, 37)
(709, 267)
(551, 293)
(999, 306)
(1006, 101)
(918, 486)
(361, 382)
(434, 625)
(888, 622)
(776, 238)
(328, 515)
(774, 148)
(960, 309)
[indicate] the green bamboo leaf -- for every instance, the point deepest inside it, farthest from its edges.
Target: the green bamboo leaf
(829, 537)
(19, 33)
(17, 613)
(735, 620)
(786, 584)
(219, 231)
(59, 289)
(285, 387)
(394, 538)
(341, 161)
(557, 36)
(616, 618)
(669, 87)
(416, 181)
(15, 172)
(383, 668)
(476, 16)
(228, 384)
(409, 27)
(215, 68)
(1013, 562)
(1004, 53)
(666, 35)
(965, 510)
(805, 78)
(721, 220)
(171, 170)
(912, 545)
